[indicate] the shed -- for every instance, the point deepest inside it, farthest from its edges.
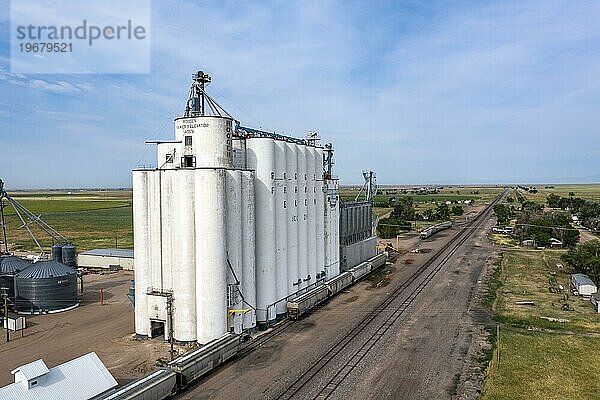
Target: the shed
(15, 321)
(106, 259)
(583, 285)
(82, 378)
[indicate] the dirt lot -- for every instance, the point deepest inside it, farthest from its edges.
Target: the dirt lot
(106, 329)
(419, 358)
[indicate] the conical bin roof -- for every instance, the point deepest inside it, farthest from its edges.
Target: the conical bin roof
(45, 269)
(10, 265)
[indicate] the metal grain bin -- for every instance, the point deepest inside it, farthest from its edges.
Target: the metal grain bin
(69, 255)
(57, 252)
(9, 266)
(46, 286)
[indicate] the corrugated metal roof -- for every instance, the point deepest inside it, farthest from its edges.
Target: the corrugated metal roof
(45, 269)
(32, 370)
(78, 379)
(122, 253)
(582, 279)
(12, 265)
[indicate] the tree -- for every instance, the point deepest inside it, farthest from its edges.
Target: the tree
(503, 213)
(457, 210)
(585, 259)
(553, 200)
(390, 227)
(442, 211)
(404, 210)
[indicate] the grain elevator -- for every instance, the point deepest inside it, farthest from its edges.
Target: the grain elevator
(230, 224)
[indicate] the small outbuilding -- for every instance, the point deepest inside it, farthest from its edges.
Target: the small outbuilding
(82, 378)
(595, 299)
(14, 321)
(581, 284)
(106, 259)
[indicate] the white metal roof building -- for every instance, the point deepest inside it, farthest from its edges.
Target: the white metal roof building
(106, 258)
(78, 379)
(583, 284)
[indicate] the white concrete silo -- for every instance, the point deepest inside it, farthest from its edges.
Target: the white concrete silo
(208, 139)
(234, 247)
(320, 200)
(281, 226)
(312, 214)
(260, 156)
(211, 254)
(248, 248)
(141, 251)
(184, 266)
(292, 216)
(302, 218)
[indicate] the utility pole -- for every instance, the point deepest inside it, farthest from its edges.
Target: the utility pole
(5, 295)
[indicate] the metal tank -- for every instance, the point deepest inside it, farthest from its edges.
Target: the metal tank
(206, 140)
(248, 251)
(46, 286)
(303, 272)
(211, 254)
(234, 247)
(57, 252)
(69, 255)
(9, 267)
(312, 213)
(320, 211)
(281, 226)
(260, 156)
(292, 216)
(141, 251)
(184, 266)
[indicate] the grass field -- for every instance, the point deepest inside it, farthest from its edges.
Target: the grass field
(89, 219)
(541, 359)
(589, 192)
(544, 366)
(448, 193)
(526, 276)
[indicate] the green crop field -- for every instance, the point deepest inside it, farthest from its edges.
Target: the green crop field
(89, 219)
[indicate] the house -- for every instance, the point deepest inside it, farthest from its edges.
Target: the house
(79, 379)
(581, 284)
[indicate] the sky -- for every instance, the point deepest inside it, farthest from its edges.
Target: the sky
(422, 92)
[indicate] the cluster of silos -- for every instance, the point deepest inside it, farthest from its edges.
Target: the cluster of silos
(230, 224)
(289, 218)
(65, 254)
(194, 235)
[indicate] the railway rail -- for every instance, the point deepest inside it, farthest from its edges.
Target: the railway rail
(441, 257)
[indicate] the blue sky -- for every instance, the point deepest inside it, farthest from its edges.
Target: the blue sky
(419, 91)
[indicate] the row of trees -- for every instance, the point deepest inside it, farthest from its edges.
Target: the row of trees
(588, 211)
(585, 259)
(404, 213)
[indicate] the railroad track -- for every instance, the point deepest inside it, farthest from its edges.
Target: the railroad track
(258, 342)
(442, 257)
